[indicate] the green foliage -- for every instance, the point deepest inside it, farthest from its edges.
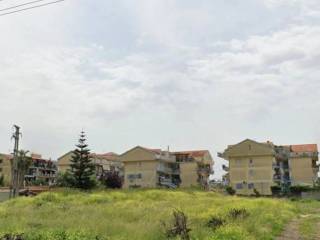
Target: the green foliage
(256, 193)
(179, 227)
(65, 179)
(39, 182)
(297, 190)
(230, 191)
(276, 190)
(1, 180)
(137, 214)
(112, 180)
(216, 222)
(235, 213)
(82, 168)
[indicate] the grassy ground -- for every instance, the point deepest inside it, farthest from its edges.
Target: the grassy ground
(137, 215)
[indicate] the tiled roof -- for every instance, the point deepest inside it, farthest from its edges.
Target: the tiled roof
(304, 148)
(195, 153)
(155, 150)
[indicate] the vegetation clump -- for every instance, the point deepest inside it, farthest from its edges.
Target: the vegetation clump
(236, 213)
(179, 227)
(230, 191)
(216, 222)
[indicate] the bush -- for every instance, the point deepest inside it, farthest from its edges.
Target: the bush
(65, 179)
(112, 180)
(256, 193)
(297, 190)
(236, 213)
(179, 227)
(230, 191)
(276, 190)
(215, 222)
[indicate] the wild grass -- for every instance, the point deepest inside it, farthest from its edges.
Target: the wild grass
(137, 215)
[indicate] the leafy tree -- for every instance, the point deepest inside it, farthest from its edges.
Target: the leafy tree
(82, 168)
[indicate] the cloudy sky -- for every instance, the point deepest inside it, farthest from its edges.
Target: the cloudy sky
(189, 74)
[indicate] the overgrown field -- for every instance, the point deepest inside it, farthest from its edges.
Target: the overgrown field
(139, 214)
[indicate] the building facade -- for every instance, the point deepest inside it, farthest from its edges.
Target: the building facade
(103, 162)
(41, 171)
(150, 168)
(195, 167)
(254, 165)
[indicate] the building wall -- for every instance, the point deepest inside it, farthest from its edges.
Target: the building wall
(250, 166)
(140, 174)
(301, 171)
(5, 169)
(140, 168)
(64, 162)
(189, 174)
(252, 172)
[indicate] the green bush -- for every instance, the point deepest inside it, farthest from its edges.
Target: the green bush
(276, 190)
(215, 222)
(230, 191)
(297, 190)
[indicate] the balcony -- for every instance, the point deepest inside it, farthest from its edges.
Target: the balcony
(164, 169)
(166, 157)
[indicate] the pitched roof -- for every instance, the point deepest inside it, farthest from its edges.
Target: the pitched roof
(194, 153)
(304, 148)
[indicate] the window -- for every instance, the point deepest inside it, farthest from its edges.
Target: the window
(251, 173)
(134, 176)
(250, 162)
(1, 161)
(249, 146)
(251, 186)
(239, 186)
(238, 163)
(0, 169)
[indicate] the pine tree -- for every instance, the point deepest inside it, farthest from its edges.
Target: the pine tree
(82, 168)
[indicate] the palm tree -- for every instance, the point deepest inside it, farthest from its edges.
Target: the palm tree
(23, 164)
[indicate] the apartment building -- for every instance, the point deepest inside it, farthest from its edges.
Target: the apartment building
(103, 162)
(254, 165)
(5, 168)
(195, 167)
(41, 171)
(149, 168)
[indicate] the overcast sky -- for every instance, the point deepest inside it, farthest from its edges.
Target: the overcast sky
(189, 74)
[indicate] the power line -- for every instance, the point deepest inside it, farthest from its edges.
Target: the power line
(28, 3)
(25, 9)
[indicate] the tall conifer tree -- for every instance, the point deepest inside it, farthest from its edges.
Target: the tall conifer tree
(82, 168)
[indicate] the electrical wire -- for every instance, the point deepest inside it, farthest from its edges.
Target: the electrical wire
(28, 3)
(28, 8)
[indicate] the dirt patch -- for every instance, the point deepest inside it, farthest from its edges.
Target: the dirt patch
(291, 232)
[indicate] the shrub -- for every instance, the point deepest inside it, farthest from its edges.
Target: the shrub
(215, 222)
(236, 213)
(179, 227)
(230, 191)
(65, 179)
(297, 190)
(112, 180)
(256, 193)
(276, 190)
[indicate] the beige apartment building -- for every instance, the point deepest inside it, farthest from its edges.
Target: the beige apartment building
(103, 162)
(254, 165)
(150, 168)
(41, 171)
(5, 168)
(195, 167)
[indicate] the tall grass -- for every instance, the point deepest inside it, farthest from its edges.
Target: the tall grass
(137, 215)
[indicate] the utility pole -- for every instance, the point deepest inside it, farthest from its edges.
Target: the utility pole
(14, 165)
